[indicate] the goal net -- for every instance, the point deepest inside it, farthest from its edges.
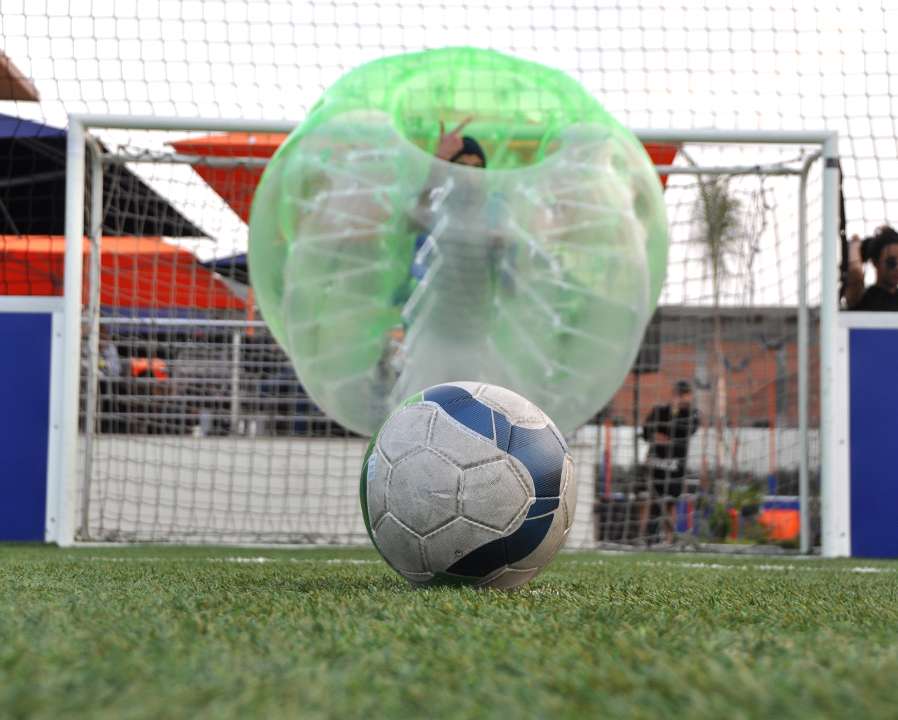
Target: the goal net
(196, 428)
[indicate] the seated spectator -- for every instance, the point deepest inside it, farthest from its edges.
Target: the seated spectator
(110, 381)
(146, 404)
(882, 251)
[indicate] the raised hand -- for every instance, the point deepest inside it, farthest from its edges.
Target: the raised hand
(854, 250)
(450, 143)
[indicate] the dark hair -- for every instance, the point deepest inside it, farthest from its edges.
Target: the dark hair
(682, 387)
(470, 147)
(872, 247)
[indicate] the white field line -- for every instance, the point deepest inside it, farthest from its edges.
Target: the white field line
(765, 567)
(860, 569)
(235, 560)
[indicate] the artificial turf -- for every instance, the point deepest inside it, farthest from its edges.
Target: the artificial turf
(196, 632)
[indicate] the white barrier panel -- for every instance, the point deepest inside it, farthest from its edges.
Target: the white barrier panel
(863, 495)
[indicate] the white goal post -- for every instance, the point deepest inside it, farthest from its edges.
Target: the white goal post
(821, 152)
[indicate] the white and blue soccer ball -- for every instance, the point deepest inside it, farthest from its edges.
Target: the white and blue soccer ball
(468, 483)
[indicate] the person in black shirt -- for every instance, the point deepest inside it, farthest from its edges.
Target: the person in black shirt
(667, 430)
(882, 251)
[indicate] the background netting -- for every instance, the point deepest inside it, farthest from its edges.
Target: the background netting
(203, 432)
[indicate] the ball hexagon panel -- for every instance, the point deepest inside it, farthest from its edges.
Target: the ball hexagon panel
(568, 492)
(400, 545)
(508, 549)
(417, 578)
(539, 554)
(511, 578)
(464, 447)
(405, 432)
(377, 479)
(518, 410)
(446, 546)
(494, 495)
(458, 404)
(425, 486)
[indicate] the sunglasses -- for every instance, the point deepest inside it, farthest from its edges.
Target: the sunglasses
(891, 263)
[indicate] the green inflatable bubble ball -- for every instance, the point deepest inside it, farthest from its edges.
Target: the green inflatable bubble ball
(458, 214)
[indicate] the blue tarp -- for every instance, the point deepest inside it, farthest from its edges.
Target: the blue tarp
(32, 189)
(233, 266)
(14, 127)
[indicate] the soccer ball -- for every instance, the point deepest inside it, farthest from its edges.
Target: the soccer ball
(468, 484)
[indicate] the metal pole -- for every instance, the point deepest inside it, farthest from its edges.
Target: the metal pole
(235, 381)
(150, 156)
(183, 322)
(727, 170)
(636, 402)
(804, 493)
(74, 232)
(95, 228)
(720, 137)
(833, 486)
(161, 122)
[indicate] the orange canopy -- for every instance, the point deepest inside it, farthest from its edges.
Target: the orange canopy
(135, 272)
(661, 154)
(13, 83)
(236, 185)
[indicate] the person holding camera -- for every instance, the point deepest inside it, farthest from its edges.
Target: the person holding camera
(667, 430)
(882, 251)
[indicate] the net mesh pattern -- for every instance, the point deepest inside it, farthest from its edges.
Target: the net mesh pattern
(199, 429)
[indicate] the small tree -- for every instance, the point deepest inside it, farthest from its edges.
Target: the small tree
(719, 216)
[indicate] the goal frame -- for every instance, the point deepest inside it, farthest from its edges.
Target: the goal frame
(834, 485)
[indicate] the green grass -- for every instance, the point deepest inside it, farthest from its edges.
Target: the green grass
(188, 632)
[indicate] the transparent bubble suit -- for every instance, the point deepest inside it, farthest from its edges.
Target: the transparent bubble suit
(383, 270)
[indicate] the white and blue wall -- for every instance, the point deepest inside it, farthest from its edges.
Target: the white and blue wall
(861, 505)
(862, 517)
(32, 491)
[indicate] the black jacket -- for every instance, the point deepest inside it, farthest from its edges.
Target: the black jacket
(679, 426)
(877, 299)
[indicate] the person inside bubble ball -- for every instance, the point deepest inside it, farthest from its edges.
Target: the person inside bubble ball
(456, 224)
(461, 149)
(441, 198)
